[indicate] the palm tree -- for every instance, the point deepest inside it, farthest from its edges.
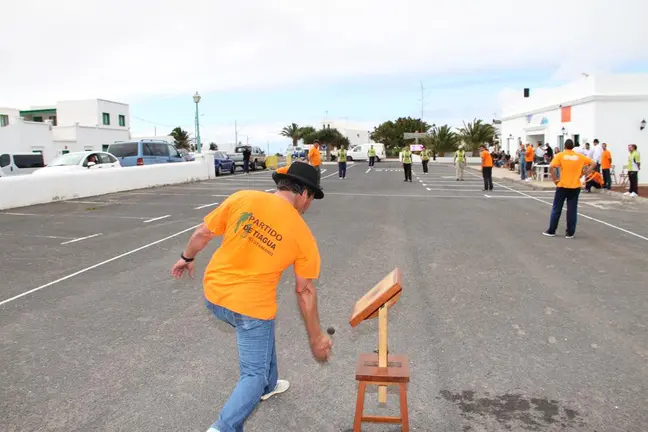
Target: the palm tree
(477, 133)
(181, 138)
(293, 132)
(443, 139)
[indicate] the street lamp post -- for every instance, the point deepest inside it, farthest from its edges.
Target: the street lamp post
(196, 99)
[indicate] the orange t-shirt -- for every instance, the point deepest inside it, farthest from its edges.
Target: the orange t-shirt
(571, 166)
(528, 157)
(314, 156)
(606, 159)
(263, 234)
(596, 176)
(487, 160)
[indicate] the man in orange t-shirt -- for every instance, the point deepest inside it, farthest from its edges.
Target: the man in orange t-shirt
(571, 166)
(528, 159)
(263, 234)
(606, 165)
(314, 158)
(487, 168)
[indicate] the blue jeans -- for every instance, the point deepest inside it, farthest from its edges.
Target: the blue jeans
(523, 173)
(342, 169)
(562, 194)
(257, 365)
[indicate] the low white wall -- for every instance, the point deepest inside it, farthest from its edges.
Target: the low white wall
(25, 190)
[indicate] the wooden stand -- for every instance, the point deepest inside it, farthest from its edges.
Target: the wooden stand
(380, 369)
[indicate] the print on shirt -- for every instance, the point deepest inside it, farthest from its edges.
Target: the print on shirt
(258, 233)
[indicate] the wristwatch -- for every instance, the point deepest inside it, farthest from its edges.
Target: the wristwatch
(185, 258)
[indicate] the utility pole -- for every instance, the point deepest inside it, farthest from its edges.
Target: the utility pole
(422, 100)
(235, 134)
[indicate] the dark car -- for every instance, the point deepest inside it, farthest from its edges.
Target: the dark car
(223, 163)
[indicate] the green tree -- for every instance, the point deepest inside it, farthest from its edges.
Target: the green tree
(293, 132)
(390, 133)
(306, 130)
(442, 139)
(476, 133)
(213, 146)
(181, 138)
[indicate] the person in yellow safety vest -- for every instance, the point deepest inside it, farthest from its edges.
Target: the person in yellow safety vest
(425, 158)
(460, 162)
(342, 162)
(372, 155)
(407, 163)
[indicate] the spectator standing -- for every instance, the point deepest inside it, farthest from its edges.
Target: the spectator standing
(606, 165)
(596, 154)
(521, 153)
(528, 158)
(247, 152)
(633, 167)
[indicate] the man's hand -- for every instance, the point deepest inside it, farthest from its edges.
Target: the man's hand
(321, 347)
(178, 269)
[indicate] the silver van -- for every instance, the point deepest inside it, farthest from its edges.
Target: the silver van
(12, 164)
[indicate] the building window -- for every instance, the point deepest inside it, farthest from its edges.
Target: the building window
(37, 119)
(122, 120)
(4, 120)
(106, 119)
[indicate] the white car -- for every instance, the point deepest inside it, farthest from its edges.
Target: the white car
(80, 161)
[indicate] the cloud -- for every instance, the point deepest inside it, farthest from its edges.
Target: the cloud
(128, 50)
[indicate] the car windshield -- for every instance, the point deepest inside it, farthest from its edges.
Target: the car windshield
(68, 159)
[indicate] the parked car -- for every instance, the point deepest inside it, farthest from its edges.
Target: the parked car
(80, 161)
(12, 164)
(145, 152)
(223, 163)
(257, 158)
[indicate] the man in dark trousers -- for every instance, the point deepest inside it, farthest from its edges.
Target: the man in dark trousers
(247, 152)
(487, 168)
(571, 165)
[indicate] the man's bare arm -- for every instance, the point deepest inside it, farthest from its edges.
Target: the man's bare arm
(307, 299)
(198, 241)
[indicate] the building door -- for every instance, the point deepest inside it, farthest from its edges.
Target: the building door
(561, 142)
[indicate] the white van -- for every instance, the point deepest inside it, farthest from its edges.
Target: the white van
(361, 152)
(12, 164)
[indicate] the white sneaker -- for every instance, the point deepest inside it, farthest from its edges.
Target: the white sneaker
(282, 386)
(633, 194)
(627, 194)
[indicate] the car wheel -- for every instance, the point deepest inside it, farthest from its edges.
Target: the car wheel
(233, 169)
(253, 165)
(349, 158)
(377, 159)
(218, 170)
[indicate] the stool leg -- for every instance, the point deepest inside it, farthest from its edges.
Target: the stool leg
(403, 408)
(357, 423)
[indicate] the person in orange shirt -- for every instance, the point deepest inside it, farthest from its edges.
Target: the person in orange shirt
(487, 168)
(528, 159)
(263, 234)
(571, 165)
(606, 165)
(593, 180)
(315, 159)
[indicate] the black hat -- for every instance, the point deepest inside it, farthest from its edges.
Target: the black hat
(303, 174)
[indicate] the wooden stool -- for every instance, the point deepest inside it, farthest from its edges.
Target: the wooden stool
(368, 373)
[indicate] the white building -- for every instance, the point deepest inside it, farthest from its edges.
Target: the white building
(356, 133)
(65, 127)
(608, 107)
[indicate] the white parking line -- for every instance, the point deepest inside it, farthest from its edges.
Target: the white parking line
(96, 265)
(81, 238)
(268, 190)
(427, 188)
(205, 205)
(579, 214)
(368, 171)
(156, 219)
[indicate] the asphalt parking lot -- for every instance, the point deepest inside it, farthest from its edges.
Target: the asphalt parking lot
(505, 329)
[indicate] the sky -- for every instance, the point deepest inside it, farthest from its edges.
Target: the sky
(266, 64)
